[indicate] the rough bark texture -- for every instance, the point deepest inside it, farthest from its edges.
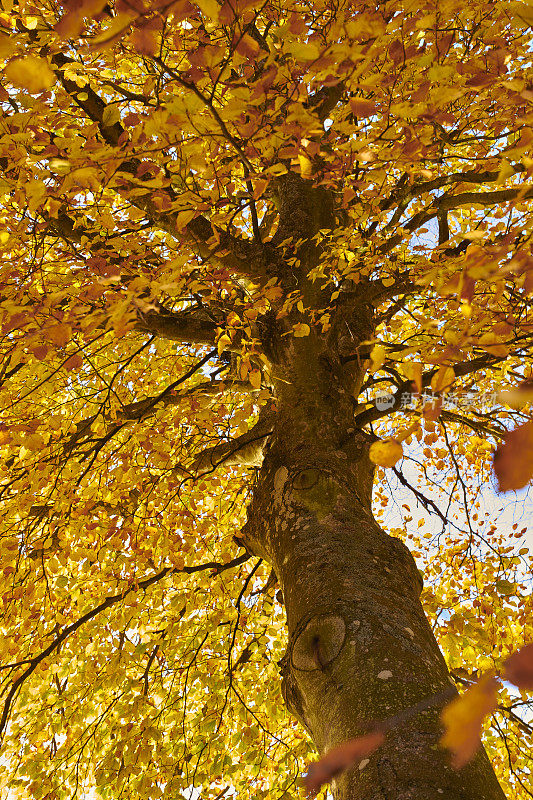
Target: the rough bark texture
(360, 647)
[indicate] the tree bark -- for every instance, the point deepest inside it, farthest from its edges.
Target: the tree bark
(360, 648)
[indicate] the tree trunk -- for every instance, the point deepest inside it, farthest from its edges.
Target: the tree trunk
(360, 647)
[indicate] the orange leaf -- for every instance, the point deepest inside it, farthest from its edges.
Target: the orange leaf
(513, 460)
(73, 362)
(59, 334)
(519, 668)
(413, 370)
(247, 46)
(40, 351)
(144, 41)
(431, 411)
(463, 719)
(340, 759)
(361, 107)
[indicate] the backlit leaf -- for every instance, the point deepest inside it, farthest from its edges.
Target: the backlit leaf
(443, 379)
(301, 329)
(385, 453)
(30, 73)
(303, 51)
(463, 720)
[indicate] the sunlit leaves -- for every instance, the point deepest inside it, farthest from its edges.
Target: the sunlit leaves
(398, 115)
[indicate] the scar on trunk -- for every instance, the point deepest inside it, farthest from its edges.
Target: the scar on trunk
(318, 642)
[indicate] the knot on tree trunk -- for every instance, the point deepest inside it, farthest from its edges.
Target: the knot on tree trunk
(317, 642)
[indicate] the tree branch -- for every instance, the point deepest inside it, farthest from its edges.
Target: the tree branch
(178, 326)
(426, 502)
(244, 450)
(144, 584)
(325, 100)
(450, 201)
(464, 368)
(447, 202)
(83, 428)
(470, 176)
(239, 255)
(141, 409)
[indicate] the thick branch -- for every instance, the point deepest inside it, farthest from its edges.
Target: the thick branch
(239, 255)
(470, 176)
(141, 409)
(187, 326)
(447, 202)
(450, 201)
(325, 100)
(465, 368)
(244, 450)
(180, 326)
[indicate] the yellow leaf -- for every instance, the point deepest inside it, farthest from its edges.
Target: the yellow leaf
(72, 22)
(473, 236)
(301, 329)
(255, 378)
(184, 217)
(210, 8)
(7, 46)
(377, 357)
(386, 453)
(85, 177)
(110, 115)
(443, 379)
(306, 166)
(413, 371)
(506, 171)
(303, 51)
(114, 31)
(223, 342)
(403, 435)
(30, 73)
(463, 719)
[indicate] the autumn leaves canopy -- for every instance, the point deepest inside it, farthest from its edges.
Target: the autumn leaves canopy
(145, 151)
